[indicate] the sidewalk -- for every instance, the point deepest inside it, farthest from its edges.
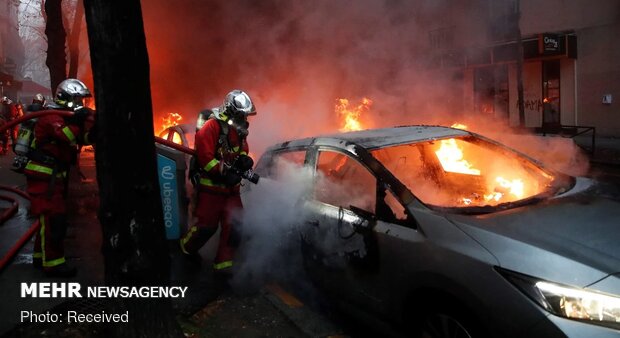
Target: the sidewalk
(606, 151)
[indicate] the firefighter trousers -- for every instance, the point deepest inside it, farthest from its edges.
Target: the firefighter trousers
(49, 206)
(213, 210)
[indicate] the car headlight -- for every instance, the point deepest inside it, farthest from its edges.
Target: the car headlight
(569, 302)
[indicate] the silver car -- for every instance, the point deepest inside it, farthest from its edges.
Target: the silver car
(446, 233)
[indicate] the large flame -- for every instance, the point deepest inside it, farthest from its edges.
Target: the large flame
(451, 158)
(454, 160)
(351, 115)
(171, 119)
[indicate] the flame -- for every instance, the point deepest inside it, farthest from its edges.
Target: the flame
(351, 116)
(459, 126)
(171, 119)
(89, 102)
(451, 158)
(514, 187)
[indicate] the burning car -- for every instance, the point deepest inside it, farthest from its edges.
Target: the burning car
(182, 134)
(448, 233)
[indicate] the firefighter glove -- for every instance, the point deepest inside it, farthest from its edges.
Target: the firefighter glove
(79, 116)
(244, 163)
(231, 178)
(92, 134)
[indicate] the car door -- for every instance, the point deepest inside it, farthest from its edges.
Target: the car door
(339, 220)
(353, 213)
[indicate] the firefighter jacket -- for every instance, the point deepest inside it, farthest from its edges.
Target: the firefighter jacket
(216, 147)
(11, 111)
(55, 146)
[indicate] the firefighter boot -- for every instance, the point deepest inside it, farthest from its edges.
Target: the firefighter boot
(193, 258)
(37, 263)
(195, 238)
(62, 271)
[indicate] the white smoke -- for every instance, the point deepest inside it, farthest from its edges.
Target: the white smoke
(269, 249)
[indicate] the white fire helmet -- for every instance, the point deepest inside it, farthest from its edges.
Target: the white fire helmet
(39, 98)
(71, 93)
(238, 104)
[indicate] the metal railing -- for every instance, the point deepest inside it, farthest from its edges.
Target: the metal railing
(572, 132)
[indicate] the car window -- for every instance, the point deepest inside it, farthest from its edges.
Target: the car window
(397, 211)
(286, 161)
(343, 181)
(464, 172)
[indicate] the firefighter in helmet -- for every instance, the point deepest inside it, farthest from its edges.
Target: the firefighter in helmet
(54, 149)
(222, 157)
(10, 111)
(38, 103)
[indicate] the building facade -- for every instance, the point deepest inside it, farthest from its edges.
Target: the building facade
(570, 60)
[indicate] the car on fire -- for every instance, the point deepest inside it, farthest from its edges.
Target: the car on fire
(182, 134)
(447, 233)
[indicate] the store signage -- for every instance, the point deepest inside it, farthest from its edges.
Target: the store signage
(548, 43)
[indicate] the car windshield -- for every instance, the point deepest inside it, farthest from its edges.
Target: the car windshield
(466, 172)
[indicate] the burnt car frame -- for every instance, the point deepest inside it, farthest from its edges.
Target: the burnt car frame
(182, 134)
(535, 266)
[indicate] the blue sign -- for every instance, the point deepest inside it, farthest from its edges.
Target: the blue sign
(166, 170)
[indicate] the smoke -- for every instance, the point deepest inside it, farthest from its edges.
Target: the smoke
(295, 59)
(270, 221)
(558, 153)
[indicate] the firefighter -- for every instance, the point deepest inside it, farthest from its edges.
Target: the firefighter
(10, 112)
(38, 103)
(53, 150)
(221, 156)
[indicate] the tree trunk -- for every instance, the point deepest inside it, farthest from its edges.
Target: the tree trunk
(55, 32)
(74, 39)
(130, 212)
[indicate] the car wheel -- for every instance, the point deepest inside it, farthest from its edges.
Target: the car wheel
(441, 325)
(437, 315)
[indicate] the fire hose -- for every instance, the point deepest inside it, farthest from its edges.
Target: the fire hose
(8, 213)
(25, 237)
(176, 146)
(34, 115)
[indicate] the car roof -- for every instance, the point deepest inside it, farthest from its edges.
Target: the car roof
(379, 138)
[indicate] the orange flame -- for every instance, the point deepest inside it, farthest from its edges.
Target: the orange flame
(351, 116)
(451, 158)
(171, 119)
(459, 126)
